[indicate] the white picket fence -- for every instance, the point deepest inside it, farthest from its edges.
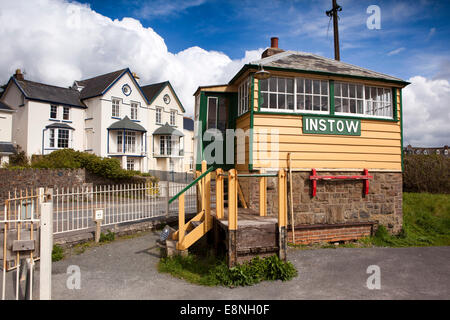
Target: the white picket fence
(73, 208)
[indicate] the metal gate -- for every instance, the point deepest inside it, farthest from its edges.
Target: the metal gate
(20, 243)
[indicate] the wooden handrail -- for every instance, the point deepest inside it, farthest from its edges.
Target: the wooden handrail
(191, 184)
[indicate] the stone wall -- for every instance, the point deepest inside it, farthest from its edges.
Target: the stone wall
(337, 201)
(21, 179)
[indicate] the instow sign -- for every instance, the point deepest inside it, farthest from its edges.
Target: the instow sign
(329, 125)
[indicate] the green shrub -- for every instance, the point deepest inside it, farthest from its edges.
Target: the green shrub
(57, 253)
(212, 272)
(108, 237)
(18, 159)
(426, 173)
(71, 159)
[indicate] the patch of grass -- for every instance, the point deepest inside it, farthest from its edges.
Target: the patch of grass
(57, 253)
(426, 222)
(108, 237)
(210, 271)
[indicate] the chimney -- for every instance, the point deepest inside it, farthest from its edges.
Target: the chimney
(273, 48)
(136, 77)
(19, 75)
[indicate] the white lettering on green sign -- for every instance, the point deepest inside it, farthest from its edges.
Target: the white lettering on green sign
(326, 125)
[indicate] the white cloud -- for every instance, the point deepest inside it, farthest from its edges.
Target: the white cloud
(160, 8)
(396, 51)
(57, 42)
(426, 112)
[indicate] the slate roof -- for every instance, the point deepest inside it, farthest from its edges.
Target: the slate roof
(53, 94)
(7, 147)
(127, 124)
(95, 86)
(167, 130)
(304, 61)
(152, 90)
(188, 124)
(5, 107)
(60, 125)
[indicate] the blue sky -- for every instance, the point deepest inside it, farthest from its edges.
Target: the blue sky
(205, 42)
(413, 39)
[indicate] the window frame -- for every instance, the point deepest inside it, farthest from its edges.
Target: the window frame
(115, 113)
(61, 139)
(130, 141)
(134, 106)
(365, 101)
(56, 112)
(160, 111)
(130, 163)
(173, 114)
(244, 96)
(64, 113)
(295, 95)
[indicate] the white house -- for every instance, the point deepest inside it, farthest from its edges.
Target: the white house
(110, 115)
(6, 146)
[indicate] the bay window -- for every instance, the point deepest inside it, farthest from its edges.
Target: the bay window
(52, 138)
(63, 138)
(165, 145)
(130, 141)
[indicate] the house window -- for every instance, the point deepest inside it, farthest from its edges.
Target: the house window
(130, 164)
(130, 141)
(52, 138)
(165, 145)
(134, 111)
(363, 100)
(53, 112)
(63, 138)
(243, 94)
(119, 142)
(66, 113)
(312, 94)
(115, 107)
(172, 118)
(158, 115)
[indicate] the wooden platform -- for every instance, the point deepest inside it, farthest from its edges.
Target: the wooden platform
(255, 236)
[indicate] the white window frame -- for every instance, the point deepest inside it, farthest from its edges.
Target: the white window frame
(51, 138)
(119, 142)
(115, 107)
(51, 111)
(367, 102)
(172, 119)
(130, 164)
(243, 96)
(68, 113)
(296, 95)
(158, 113)
(134, 107)
(61, 138)
(130, 141)
(166, 145)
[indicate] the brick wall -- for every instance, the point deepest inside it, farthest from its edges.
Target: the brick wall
(337, 201)
(330, 233)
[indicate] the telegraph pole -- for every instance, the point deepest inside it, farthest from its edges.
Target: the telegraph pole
(334, 14)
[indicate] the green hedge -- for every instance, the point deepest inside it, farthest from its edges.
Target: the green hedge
(426, 173)
(71, 159)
